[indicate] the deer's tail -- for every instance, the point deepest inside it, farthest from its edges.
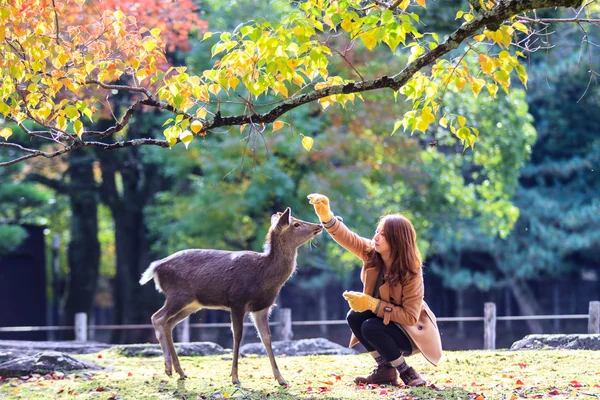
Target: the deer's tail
(149, 274)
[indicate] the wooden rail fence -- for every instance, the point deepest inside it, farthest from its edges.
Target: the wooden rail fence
(285, 323)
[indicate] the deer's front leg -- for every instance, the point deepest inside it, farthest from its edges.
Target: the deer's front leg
(261, 321)
(237, 328)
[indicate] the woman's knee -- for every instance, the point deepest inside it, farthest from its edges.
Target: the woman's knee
(371, 326)
(354, 319)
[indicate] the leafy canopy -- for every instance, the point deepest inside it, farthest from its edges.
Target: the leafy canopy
(59, 68)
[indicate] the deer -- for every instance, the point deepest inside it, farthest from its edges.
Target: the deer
(240, 282)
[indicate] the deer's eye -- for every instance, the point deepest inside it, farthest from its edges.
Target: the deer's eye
(296, 225)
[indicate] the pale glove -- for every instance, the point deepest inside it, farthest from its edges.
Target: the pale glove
(321, 204)
(360, 302)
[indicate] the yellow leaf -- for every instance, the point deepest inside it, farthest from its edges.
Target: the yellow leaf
(155, 32)
(196, 126)
(369, 40)
(520, 27)
(5, 133)
(2, 32)
(277, 125)
(207, 35)
(186, 137)
(493, 89)
(479, 38)
(78, 127)
(444, 122)
(461, 120)
(242, 127)
(171, 141)
(307, 142)
(421, 3)
(149, 45)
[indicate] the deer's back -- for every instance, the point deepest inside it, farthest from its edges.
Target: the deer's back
(217, 278)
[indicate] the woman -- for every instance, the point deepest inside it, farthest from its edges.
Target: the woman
(392, 292)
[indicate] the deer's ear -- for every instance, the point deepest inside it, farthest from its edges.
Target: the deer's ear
(285, 219)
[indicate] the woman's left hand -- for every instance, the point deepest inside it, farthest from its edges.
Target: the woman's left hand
(360, 302)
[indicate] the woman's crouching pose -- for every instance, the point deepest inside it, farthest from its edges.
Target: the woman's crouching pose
(389, 318)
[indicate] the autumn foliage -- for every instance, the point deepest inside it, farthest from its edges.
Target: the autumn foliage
(63, 59)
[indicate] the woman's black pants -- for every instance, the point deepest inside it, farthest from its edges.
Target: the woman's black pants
(389, 340)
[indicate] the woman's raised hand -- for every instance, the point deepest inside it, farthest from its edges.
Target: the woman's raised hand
(321, 204)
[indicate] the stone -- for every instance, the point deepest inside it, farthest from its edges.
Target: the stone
(44, 363)
(302, 347)
(70, 347)
(553, 342)
(183, 349)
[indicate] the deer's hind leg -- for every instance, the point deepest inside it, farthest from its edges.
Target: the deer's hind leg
(174, 320)
(261, 321)
(160, 321)
(237, 328)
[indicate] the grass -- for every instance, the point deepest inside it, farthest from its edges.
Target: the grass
(461, 375)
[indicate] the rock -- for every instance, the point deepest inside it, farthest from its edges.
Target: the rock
(44, 363)
(183, 349)
(553, 342)
(302, 347)
(70, 347)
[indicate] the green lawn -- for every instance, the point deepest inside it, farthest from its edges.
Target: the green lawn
(461, 374)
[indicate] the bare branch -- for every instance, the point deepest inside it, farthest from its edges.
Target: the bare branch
(556, 20)
(56, 22)
(127, 88)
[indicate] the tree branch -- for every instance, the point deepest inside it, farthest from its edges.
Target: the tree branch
(491, 19)
(128, 88)
(556, 20)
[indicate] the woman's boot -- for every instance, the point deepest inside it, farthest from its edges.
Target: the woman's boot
(382, 375)
(410, 377)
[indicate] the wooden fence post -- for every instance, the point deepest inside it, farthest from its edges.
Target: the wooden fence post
(81, 327)
(183, 331)
(489, 326)
(285, 324)
(594, 319)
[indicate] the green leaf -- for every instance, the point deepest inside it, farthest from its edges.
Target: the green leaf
(72, 112)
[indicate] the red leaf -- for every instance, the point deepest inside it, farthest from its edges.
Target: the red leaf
(384, 392)
(574, 384)
(99, 355)
(100, 389)
(480, 397)
(337, 377)
(129, 374)
(554, 393)
(597, 386)
(522, 365)
(519, 382)
(448, 380)
(309, 389)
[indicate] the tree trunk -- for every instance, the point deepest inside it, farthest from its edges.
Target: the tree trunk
(134, 304)
(84, 247)
(527, 303)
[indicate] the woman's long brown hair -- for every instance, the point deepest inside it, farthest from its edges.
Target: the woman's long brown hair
(405, 255)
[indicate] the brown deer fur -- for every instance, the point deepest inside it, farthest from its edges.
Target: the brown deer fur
(236, 281)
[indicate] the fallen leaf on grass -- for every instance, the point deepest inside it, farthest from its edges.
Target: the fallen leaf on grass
(519, 382)
(522, 365)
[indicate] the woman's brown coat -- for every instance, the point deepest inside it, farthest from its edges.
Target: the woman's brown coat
(408, 309)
